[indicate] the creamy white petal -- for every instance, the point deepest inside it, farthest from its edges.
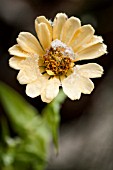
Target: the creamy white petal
(92, 52)
(51, 90)
(16, 62)
(81, 36)
(29, 71)
(69, 28)
(90, 70)
(29, 43)
(94, 40)
(17, 51)
(44, 35)
(58, 24)
(86, 85)
(75, 84)
(35, 88)
(71, 88)
(42, 19)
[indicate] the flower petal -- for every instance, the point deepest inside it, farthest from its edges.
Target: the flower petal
(17, 51)
(86, 85)
(92, 52)
(74, 85)
(58, 24)
(69, 28)
(29, 43)
(94, 40)
(42, 19)
(70, 88)
(81, 36)
(29, 71)
(51, 90)
(35, 88)
(44, 35)
(15, 62)
(90, 70)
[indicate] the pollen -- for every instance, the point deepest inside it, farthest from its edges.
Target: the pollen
(57, 59)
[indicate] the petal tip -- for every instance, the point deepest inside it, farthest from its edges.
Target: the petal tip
(31, 95)
(61, 14)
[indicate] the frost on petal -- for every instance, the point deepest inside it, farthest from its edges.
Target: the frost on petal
(90, 70)
(51, 90)
(74, 85)
(69, 28)
(29, 43)
(16, 62)
(35, 88)
(29, 71)
(92, 52)
(44, 35)
(58, 24)
(17, 51)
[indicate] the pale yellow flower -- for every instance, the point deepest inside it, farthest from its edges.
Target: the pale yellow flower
(49, 62)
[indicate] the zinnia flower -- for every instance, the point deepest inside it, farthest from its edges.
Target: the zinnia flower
(48, 62)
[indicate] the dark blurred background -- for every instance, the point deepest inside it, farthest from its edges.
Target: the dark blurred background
(86, 131)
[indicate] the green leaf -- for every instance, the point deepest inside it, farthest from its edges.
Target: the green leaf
(51, 114)
(31, 129)
(4, 128)
(34, 131)
(19, 111)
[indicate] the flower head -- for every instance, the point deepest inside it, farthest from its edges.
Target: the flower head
(50, 60)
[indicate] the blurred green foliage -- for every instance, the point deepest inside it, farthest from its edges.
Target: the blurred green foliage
(28, 149)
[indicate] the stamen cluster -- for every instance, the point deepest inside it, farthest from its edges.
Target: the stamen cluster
(56, 62)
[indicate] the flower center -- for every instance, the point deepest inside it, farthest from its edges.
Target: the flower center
(58, 59)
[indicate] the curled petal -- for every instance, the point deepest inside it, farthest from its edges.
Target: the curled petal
(90, 70)
(42, 19)
(58, 24)
(51, 90)
(29, 43)
(44, 35)
(69, 28)
(16, 62)
(92, 52)
(17, 51)
(94, 40)
(81, 37)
